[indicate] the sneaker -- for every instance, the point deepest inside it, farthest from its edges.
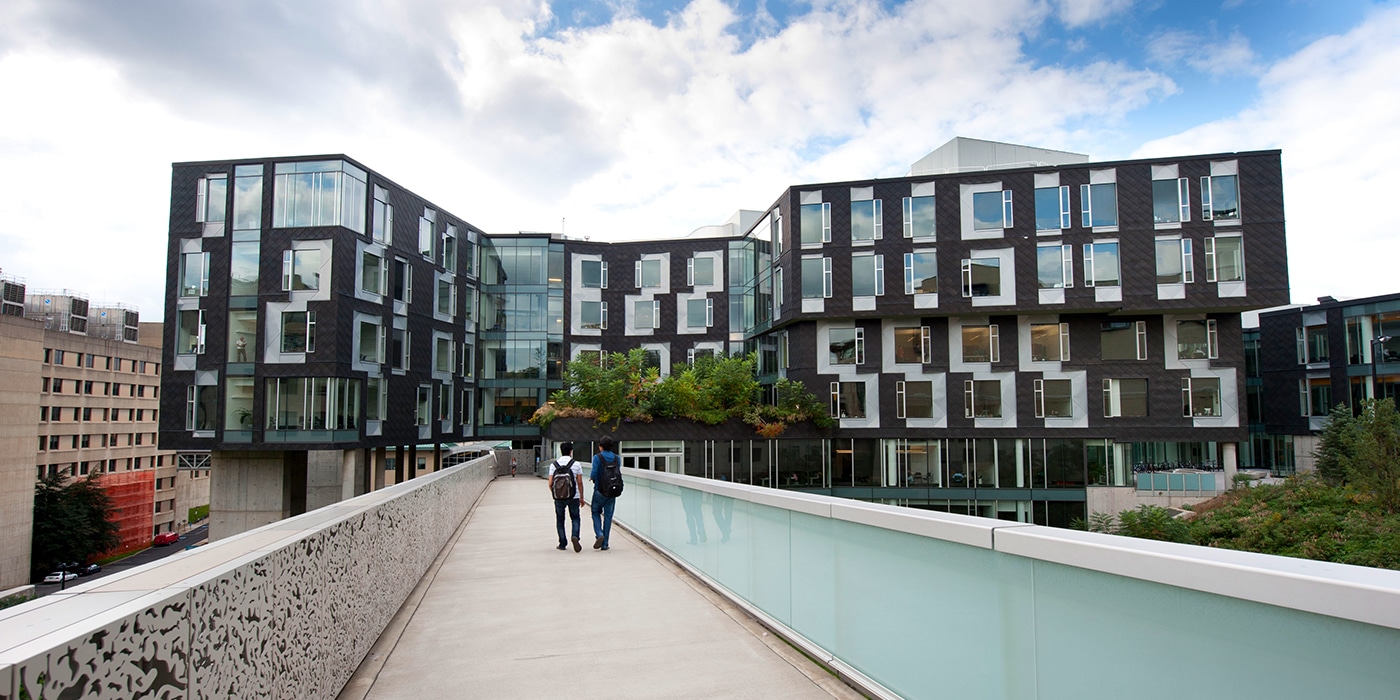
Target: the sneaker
(597, 543)
(577, 547)
(604, 548)
(561, 548)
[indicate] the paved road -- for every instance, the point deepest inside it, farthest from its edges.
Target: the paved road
(146, 556)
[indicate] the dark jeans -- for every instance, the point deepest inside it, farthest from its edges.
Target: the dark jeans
(602, 516)
(559, 506)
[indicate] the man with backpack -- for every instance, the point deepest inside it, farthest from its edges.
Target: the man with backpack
(566, 486)
(607, 486)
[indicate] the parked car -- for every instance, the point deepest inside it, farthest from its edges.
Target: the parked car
(89, 570)
(60, 577)
(166, 538)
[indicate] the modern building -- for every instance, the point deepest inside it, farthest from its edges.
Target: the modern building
(998, 331)
(1313, 358)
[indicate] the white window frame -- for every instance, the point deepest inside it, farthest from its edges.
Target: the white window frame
(1212, 273)
(426, 240)
(203, 258)
(969, 396)
(1208, 206)
(639, 266)
(993, 338)
(1188, 408)
(199, 335)
(878, 261)
(202, 199)
(380, 338)
(776, 232)
(859, 345)
(877, 228)
(901, 400)
(602, 315)
(1006, 211)
(909, 269)
(1113, 389)
(449, 248)
(826, 223)
(709, 313)
(836, 402)
(1086, 206)
(967, 276)
(385, 234)
(655, 313)
(1066, 264)
(309, 342)
(1089, 280)
(909, 217)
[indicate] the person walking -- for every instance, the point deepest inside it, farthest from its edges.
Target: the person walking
(566, 486)
(606, 476)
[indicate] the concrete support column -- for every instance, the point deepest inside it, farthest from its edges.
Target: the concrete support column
(377, 472)
(398, 464)
(251, 489)
(437, 456)
(1229, 459)
(413, 461)
(325, 478)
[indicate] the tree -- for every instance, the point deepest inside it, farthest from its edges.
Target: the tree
(1335, 445)
(72, 521)
(1363, 452)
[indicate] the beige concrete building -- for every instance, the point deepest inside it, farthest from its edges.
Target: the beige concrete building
(21, 352)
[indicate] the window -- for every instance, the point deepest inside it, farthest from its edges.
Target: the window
(1123, 340)
(1054, 398)
(1225, 259)
(700, 271)
(816, 223)
(1197, 340)
(442, 355)
(846, 346)
(1050, 342)
(376, 398)
(403, 281)
(912, 346)
(867, 275)
(700, 313)
(981, 277)
(243, 269)
(777, 291)
(194, 274)
(426, 237)
(312, 403)
(848, 399)
(1315, 395)
(242, 335)
(991, 210)
(446, 297)
(199, 408)
(1220, 198)
(449, 255)
(1174, 264)
(320, 193)
(1101, 264)
(1124, 398)
(298, 331)
(867, 220)
(1312, 345)
(423, 410)
(57, 385)
(594, 274)
(382, 225)
(371, 342)
(1051, 208)
(593, 314)
(1171, 201)
(816, 278)
(982, 398)
(1200, 396)
(247, 201)
(301, 270)
(400, 343)
(212, 199)
(1054, 266)
(919, 217)
(468, 364)
(1099, 203)
(189, 335)
(646, 313)
(921, 272)
(981, 344)
(648, 273)
(913, 399)
(373, 274)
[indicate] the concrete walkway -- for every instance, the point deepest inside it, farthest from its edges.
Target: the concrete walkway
(492, 619)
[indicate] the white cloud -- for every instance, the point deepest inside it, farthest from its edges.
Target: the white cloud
(1077, 13)
(1331, 107)
(1211, 55)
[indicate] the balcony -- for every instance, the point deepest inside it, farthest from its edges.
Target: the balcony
(449, 585)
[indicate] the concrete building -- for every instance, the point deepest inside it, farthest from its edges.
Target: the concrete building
(999, 331)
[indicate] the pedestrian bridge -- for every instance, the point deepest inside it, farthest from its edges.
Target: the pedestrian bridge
(449, 585)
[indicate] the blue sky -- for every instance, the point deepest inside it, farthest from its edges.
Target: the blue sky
(642, 119)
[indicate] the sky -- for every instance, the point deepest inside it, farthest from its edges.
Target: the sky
(623, 119)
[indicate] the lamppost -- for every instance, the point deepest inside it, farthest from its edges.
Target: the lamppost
(1376, 345)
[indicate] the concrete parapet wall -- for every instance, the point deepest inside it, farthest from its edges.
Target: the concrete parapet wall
(287, 610)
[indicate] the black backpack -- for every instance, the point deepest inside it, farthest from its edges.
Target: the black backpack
(610, 481)
(563, 484)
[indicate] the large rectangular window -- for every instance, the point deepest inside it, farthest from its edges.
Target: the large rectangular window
(242, 335)
(1124, 398)
(648, 273)
(313, 403)
(1220, 197)
(848, 399)
(816, 223)
(699, 313)
(403, 281)
(373, 273)
(919, 217)
(1052, 208)
(238, 403)
(1054, 266)
(211, 200)
(1099, 204)
(1101, 268)
(1225, 259)
(593, 314)
(867, 220)
(446, 297)
(594, 274)
(646, 313)
(981, 344)
(1197, 340)
(816, 278)
(321, 193)
(449, 256)
(981, 277)
(846, 346)
(912, 346)
(371, 342)
(1312, 345)
(1200, 397)
(382, 227)
(189, 334)
(1123, 340)
(1316, 395)
(1050, 342)
(700, 271)
(400, 345)
(194, 274)
(243, 269)
(921, 272)
(1174, 264)
(200, 408)
(1171, 201)
(1054, 398)
(991, 210)
(982, 398)
(301, 270)
(298, 331)
(442, 355)
(247, 201)
(867, 275)
(913, 399)
(426, 235)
